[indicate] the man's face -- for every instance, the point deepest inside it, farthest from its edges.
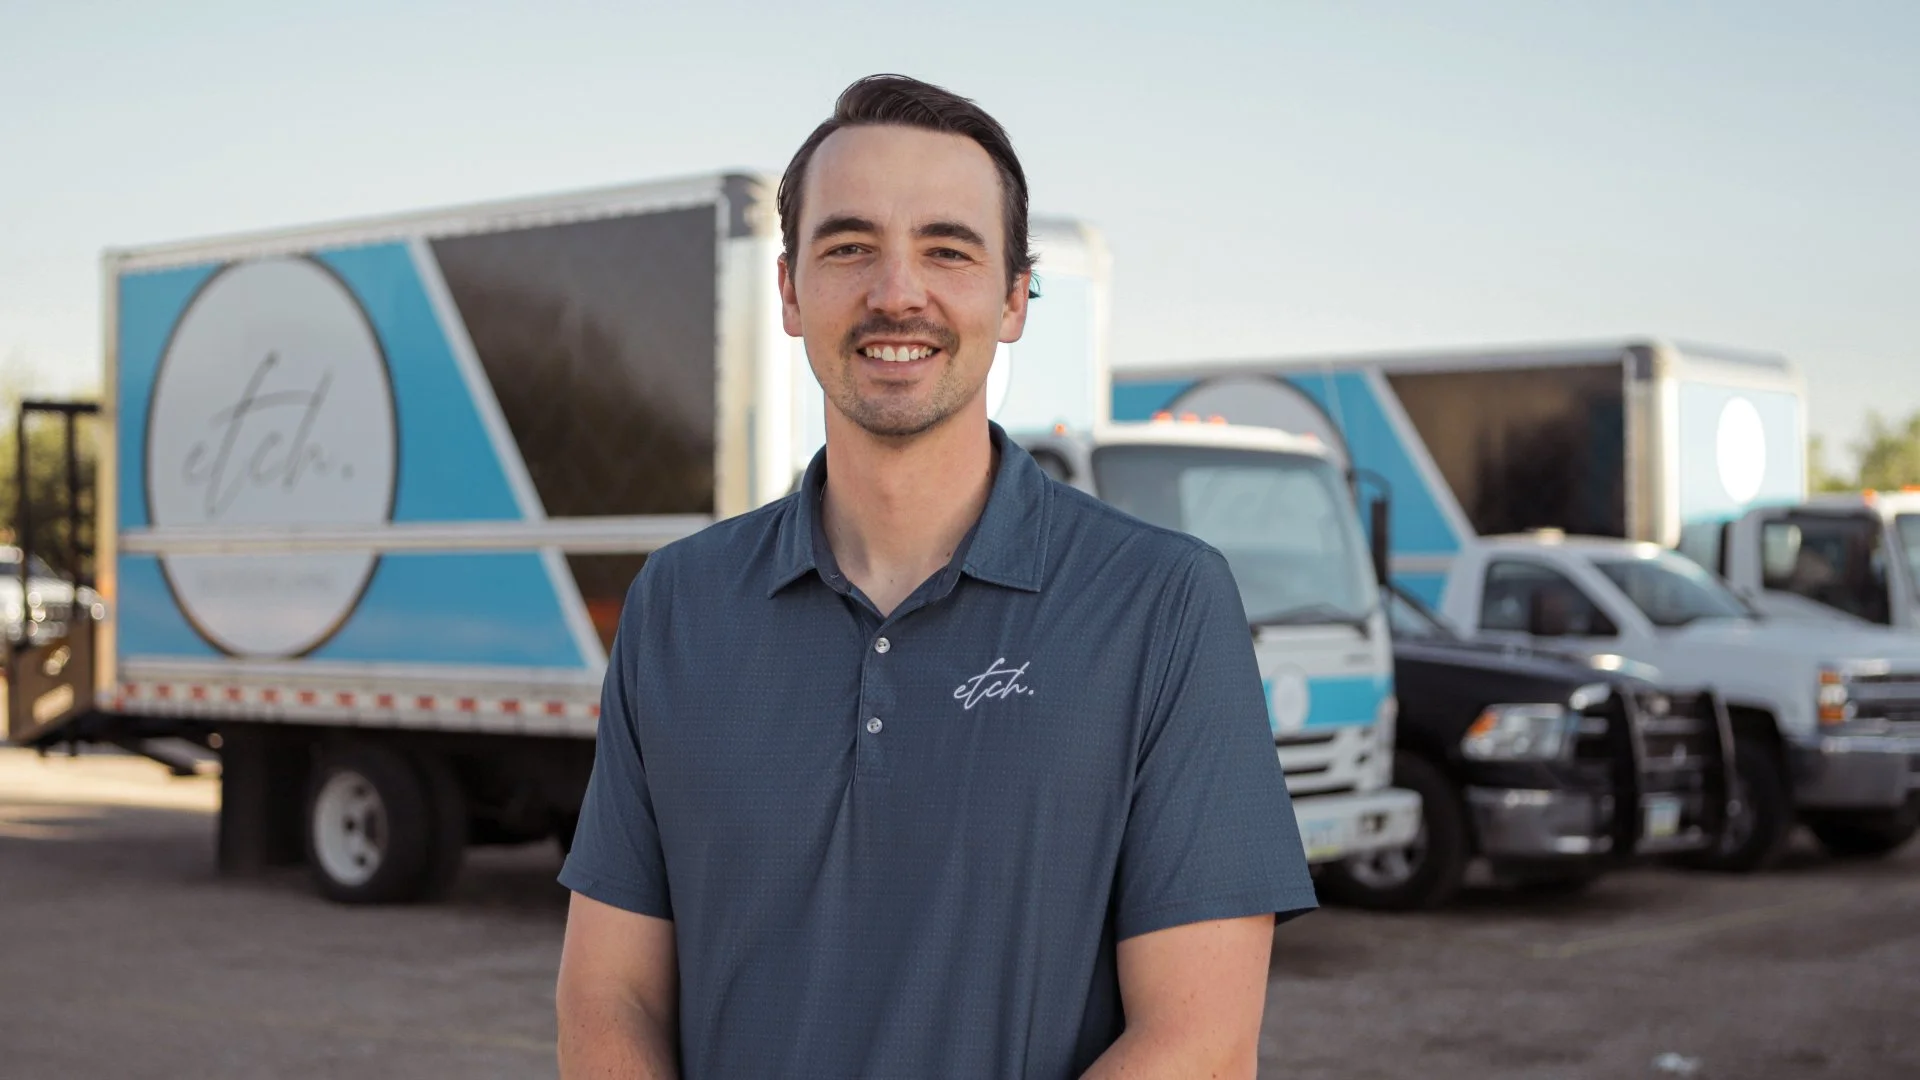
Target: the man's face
(899, 283)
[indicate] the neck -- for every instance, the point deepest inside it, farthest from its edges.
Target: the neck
(895, 510)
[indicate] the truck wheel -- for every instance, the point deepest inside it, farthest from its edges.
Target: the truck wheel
(1758, 826)
(370, 825)
(1425, 874)
(449, 839)
(1867, 835)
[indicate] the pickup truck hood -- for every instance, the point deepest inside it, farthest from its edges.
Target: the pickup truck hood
(1800, 642)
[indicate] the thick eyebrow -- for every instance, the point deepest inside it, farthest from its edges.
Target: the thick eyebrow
(950, 230)
(842, 223)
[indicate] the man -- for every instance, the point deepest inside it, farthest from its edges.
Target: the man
(937, 767)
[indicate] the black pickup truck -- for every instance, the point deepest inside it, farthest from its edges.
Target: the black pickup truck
(1549, 768)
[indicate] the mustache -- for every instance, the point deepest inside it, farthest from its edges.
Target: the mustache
(881, 326)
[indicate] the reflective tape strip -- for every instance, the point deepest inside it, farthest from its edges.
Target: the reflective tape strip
(156, 697)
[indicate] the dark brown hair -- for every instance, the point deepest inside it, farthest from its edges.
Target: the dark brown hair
(908, 102)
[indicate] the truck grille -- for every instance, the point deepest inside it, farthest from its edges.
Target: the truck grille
(1894, 696)
(1677, 743)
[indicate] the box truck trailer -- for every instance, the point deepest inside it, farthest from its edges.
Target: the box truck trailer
(1640, 439)
(370, 496)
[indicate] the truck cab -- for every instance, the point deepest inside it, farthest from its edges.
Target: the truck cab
(1284, 518)
(1845, 556)
(1825, 715)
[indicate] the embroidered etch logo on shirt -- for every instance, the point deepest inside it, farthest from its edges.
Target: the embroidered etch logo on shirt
(997, 682)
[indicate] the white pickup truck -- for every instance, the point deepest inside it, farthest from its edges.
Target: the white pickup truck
(1826, 714)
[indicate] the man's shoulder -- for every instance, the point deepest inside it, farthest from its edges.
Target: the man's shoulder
(724, 552)
(1105, 531)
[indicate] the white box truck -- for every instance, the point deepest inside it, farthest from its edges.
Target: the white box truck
(1641, 439)
(371, 494)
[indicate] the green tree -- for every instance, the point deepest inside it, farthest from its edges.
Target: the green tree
(1890, 453)
(1818, 476)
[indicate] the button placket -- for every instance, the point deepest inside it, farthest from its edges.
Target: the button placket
(876, 701)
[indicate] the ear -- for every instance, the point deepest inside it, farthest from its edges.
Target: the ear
(789, 300)
(1013, 321)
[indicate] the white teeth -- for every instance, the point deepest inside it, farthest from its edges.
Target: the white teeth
(893, 355)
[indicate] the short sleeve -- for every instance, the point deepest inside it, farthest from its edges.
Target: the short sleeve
(1211, 832)
(616, 855)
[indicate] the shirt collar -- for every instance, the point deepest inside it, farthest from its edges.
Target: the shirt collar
(1007, 546)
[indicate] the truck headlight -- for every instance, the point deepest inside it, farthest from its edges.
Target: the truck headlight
(1835, 700)
(1536, 732)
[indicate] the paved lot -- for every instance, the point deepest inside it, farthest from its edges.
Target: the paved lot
(125, 957)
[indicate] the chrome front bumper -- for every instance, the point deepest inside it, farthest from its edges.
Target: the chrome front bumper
(1335, 827)
(1857, 772)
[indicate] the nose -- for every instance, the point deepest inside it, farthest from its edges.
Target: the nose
(897, 287)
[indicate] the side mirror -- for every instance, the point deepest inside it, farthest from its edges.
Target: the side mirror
(1377, 515)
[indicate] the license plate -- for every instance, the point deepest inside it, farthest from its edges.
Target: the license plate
(1322, 839)
(1662, 814)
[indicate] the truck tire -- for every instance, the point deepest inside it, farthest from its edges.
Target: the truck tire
(1756, 834)
(1865, 835)
(449, 838)
(370, 825)
(1423, 875)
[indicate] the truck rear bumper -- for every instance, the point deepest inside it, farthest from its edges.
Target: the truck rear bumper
(1335, 827)
(1857, 772)
(1526, 823)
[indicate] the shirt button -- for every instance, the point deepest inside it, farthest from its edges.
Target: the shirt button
(874, 725)
(882, 645)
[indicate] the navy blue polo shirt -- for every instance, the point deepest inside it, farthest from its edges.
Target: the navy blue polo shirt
(906, 846)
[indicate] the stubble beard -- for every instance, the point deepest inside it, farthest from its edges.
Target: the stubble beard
(901, 415)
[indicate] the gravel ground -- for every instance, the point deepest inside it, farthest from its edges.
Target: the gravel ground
(125, 957)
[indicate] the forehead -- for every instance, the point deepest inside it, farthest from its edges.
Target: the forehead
(902, 177)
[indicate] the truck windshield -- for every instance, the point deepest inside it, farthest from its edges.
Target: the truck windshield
(1283, 521)
(1672, 590)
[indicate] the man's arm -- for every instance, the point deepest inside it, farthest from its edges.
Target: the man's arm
(1193, 997)
(618, 995)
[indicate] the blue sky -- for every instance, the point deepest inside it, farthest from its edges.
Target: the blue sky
(1272, 177)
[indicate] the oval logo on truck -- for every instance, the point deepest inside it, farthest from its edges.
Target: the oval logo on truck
(1740, 450)
(272, 407)
(1289, 699)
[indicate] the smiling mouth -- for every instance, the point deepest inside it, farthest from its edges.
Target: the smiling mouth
(898, 354)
